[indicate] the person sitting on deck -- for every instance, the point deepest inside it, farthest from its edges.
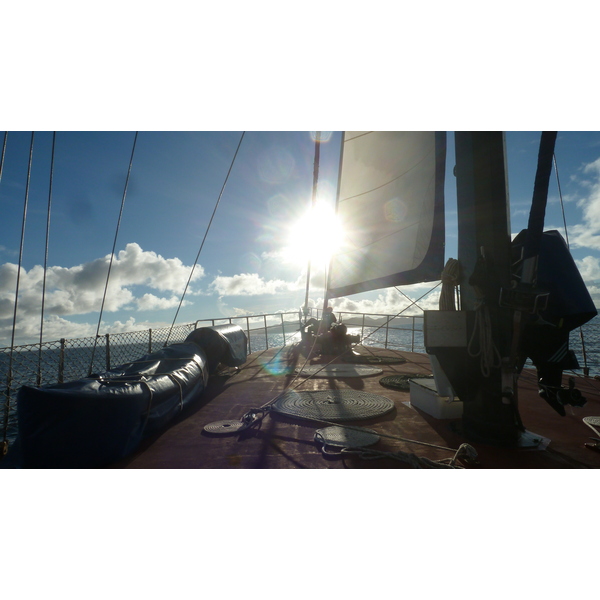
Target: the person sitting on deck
(314, 327)
(328, 318)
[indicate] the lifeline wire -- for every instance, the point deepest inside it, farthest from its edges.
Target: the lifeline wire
(205, 235)
(112, 254)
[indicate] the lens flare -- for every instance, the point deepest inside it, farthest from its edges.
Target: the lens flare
(324, 136)
(316, 235)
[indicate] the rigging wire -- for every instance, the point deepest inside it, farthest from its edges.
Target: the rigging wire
(14, 326)
(586, 369)
(409, 298)
(3, 153)
(205, 236)
(112, 254)
(562, 205)
(39, 375)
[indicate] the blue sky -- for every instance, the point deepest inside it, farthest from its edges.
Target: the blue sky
(175, 181)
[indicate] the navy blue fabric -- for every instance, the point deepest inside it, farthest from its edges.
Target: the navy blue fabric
(99, 419)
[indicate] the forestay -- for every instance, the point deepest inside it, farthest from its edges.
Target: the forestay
(391, 205)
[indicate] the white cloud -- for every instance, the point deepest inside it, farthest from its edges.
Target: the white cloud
(391, 301)
(589, 267)
(250, 284)
(587, 233)
(152, 302)
(79, 290)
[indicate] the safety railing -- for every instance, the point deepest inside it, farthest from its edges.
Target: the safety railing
(70, 359)
(396, 332)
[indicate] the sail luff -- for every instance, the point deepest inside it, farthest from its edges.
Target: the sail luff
(337, 204)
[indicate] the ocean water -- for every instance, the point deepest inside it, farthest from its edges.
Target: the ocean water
(585, 343)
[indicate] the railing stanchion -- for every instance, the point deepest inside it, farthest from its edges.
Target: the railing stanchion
(266, 336)
(61, 362)
(107, 352)
(387, 329)
(283, 328)
(248, 330)
(38, 379)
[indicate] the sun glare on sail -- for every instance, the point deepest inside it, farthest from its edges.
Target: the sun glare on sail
(317, 235)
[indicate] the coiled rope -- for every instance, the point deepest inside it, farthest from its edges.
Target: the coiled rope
(204, 238)
(450, 281)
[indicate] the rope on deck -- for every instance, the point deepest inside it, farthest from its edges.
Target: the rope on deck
(465, 451)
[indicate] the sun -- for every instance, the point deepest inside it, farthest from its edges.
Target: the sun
(316, 235)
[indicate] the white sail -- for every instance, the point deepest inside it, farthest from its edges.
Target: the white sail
(391, 206)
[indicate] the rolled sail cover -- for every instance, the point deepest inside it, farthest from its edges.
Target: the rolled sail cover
(99, 419)
(391, 205)
(226, 344)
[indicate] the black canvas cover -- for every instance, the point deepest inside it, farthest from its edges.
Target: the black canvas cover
(97, 420)
(570, 304)
(226, 344)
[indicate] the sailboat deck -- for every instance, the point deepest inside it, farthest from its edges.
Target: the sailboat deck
(283, 442)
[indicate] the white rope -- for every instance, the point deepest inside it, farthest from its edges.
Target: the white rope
(450, 279)
(482, 334)
(415, 461)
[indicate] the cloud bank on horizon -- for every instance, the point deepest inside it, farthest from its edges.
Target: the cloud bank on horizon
(142, 281)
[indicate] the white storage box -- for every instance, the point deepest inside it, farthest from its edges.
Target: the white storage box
(424, 396)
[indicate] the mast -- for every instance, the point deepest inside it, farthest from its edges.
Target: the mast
(475, 359)
(313, 203)
(490, 405)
